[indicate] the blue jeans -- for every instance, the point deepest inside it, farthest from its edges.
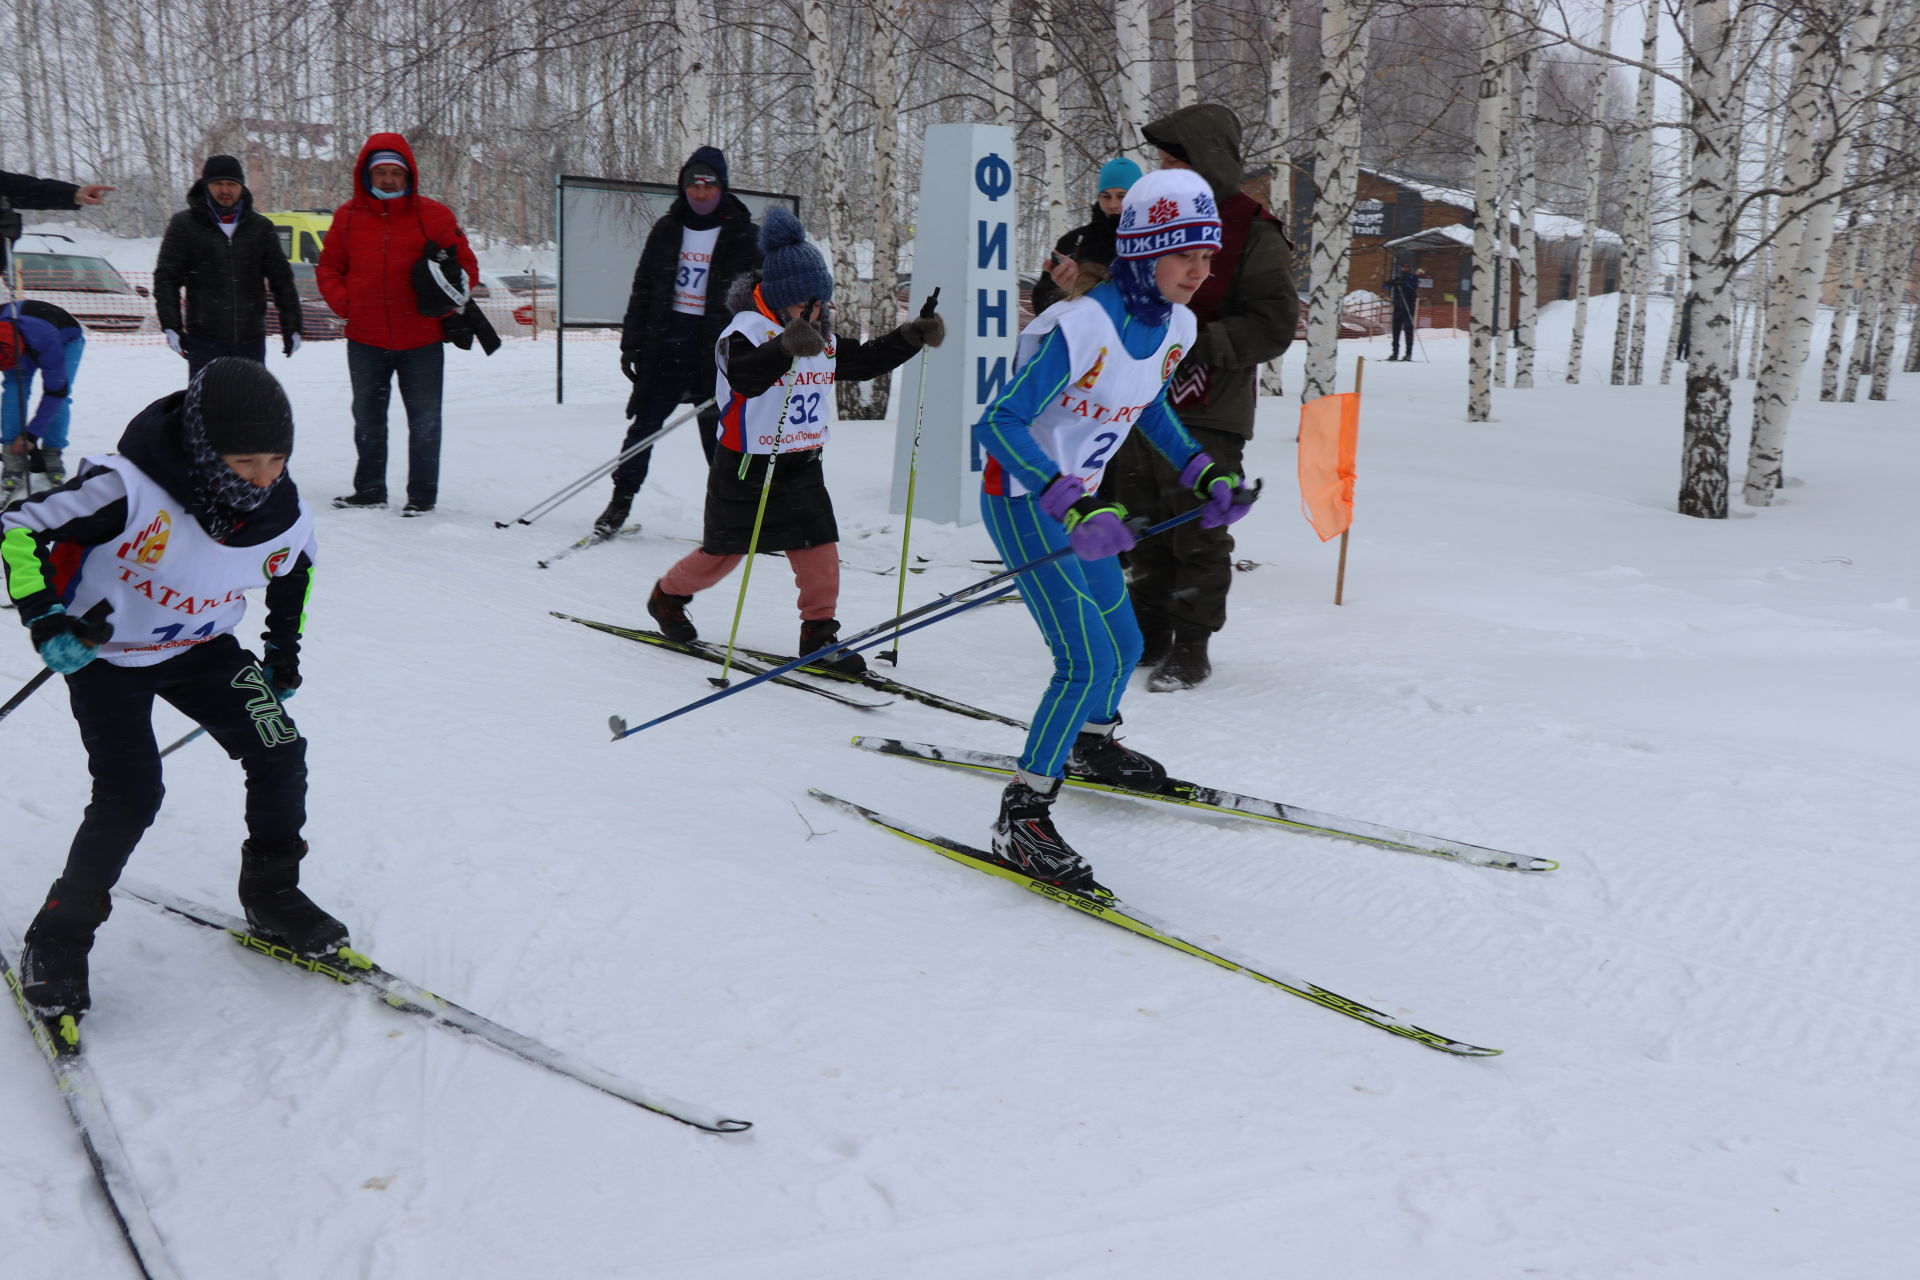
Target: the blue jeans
(204, 351)
(419, 371)
(19, 388)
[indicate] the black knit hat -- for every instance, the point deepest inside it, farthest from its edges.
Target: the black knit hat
(227, 167)
(242, 407)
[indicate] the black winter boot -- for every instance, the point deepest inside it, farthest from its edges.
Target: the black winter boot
(614, 518)
(1098, 756)
(1156, 630)
(1186, 665)
(821, 632)
(275, 907)
(1024, 838)
(53, 964)
(671, 613)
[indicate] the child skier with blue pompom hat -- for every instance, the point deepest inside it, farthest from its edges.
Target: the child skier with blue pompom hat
(779, 361)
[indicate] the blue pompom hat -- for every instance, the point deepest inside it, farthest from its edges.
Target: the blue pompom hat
(1167, 211)
(792, 272)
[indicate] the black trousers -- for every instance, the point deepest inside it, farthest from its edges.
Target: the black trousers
(221, 687)
(1402, 324)
(680, 373)
(1181, 577)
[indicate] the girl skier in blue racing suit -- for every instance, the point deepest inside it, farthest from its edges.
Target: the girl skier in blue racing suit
(1089, 371)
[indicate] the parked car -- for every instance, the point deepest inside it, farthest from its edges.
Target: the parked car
(525, 282)
(510, 310)
(86, 287)
(317, 321)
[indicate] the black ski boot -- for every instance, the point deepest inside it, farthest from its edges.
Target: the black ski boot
(1098, 756)
(821, 632)
(671, 613)
(614, 518)
(1024, 838)
(275, 907)
(53, 964)
(1187, 665)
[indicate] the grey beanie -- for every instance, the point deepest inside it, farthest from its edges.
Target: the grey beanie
(792, 272)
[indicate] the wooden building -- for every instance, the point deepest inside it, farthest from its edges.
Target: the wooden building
(1405, 219)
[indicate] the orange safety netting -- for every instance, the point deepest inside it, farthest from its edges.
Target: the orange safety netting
(1329, 436)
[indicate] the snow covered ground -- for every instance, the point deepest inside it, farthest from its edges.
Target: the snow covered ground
(1708, 1013)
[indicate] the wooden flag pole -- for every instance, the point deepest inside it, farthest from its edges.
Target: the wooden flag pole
(1340, 575)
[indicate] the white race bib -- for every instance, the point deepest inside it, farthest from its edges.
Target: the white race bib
(695, 270)
(170, 584)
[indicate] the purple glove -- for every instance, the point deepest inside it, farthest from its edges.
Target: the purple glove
(1217, 488)
(1059, 496)
(1099, 533)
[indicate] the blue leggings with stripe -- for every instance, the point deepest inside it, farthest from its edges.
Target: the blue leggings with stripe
(1082, 609)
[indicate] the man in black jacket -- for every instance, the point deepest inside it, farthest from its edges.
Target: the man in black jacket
(226, 256)
(704, 241)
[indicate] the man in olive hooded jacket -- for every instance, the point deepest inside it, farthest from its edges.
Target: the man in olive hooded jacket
(1247, 311)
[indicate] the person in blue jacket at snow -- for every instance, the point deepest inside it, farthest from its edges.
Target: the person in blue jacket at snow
(36, 337)
(1088, 372)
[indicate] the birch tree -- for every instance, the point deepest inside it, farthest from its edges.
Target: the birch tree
(1590, 222)
(1279, 52)
(1489, 238)
(1816, 54)
(1711, 259)
(1183, 53)
(1636, 219)
(1135, 54)
(1336, 172)
(1052, 152)
(1525, 109)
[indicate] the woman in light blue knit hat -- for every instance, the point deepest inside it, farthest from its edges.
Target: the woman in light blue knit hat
(1081, 258)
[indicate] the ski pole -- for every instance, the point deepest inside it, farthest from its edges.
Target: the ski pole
(183, 742)
(27, 690)
(753, 539)
(945, 607)
(280, 698)
(906, 524)
(547, 505)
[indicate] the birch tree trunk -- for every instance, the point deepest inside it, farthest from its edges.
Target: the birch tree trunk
(1780, 379)
(1525, 108)
(1845, 301)
(1711, 252)
(1280, 133)
(1895, 273)
(1682, 279)
(1488, 223)
(1135, 55)
(1596, 153)
(1046, 58)
(1183, 52)
(1336, 171)
(1637, 219)
(883, 307)
(1813, 66)
(1002, 42)
(692, 30)
(826, 128)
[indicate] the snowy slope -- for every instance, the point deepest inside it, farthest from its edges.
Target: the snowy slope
(1707, 1013)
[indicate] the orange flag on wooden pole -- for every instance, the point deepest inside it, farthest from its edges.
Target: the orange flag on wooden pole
(1329, 434)
(1329, 440)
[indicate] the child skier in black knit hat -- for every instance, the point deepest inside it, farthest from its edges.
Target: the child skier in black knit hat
(779, 361)
(164, 539)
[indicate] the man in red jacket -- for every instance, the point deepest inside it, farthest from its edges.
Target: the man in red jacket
(366, 275)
